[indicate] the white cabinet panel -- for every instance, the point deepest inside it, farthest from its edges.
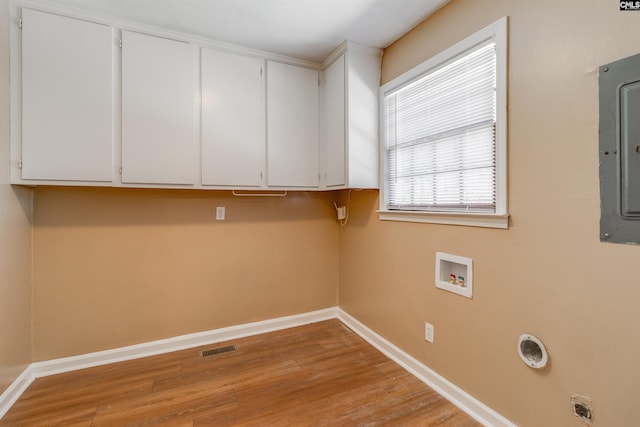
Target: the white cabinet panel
(159, 138)
(335, 143)
(363, 84)
(350, 140)
(292, 122)
(233, 119)
(66, 98)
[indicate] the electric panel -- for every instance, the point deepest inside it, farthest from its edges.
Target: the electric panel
(619, 128)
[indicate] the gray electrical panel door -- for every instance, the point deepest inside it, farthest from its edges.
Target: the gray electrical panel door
(619, 85)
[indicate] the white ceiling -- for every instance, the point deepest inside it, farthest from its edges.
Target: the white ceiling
(304, 29)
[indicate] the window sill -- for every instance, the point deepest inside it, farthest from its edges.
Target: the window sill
(449, 218)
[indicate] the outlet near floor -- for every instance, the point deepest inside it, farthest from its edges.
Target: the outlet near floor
(582, 409)
(428, 332)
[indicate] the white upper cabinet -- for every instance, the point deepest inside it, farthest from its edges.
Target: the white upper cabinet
(335, 120)
(159, 119)
(163, 113)
(292, 123)
(351, 119)
(67, 99)
(233, 120)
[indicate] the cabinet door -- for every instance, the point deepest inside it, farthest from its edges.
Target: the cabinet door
(159, 139)
(233, 119)
(292, 122)
(335, 143)
(66, 98)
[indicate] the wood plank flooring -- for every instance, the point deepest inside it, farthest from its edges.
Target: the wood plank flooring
(321, 374)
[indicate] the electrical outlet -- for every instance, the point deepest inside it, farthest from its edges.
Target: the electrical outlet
(582, 409)
(220, 211)
(429, 332)
(342, 212)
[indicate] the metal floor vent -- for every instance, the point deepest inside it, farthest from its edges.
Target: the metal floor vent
(219, 350)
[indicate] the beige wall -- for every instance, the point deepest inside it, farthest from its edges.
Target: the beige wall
(15, 240)
(548, 274)
(115, 267)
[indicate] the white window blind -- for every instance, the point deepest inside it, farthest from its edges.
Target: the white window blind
(441, 137)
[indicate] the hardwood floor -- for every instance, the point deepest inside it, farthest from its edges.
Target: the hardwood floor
(321, 374)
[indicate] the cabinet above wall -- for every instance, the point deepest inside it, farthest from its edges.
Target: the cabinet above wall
(67, 100)
(100, 103)
(159, 128)
(352, 76)
(233, 120)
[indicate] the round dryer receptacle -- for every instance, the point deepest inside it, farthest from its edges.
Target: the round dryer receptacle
(532, 351)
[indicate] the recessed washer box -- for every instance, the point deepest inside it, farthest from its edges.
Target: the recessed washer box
(454, 274)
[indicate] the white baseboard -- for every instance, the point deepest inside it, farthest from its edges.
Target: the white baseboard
(457, 396)
(463, 400)
(57, 366)
(15, 390)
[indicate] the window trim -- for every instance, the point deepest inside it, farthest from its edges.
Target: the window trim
(500, 219)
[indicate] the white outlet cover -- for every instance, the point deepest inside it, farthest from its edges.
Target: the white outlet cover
(429, 332)
(220, 213)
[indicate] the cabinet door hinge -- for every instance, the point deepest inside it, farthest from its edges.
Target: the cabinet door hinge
(20, 22)
(260, 71)
(120, 170)
(120, 44)
(20, 164)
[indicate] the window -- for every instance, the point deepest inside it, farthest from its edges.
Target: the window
(444, 136)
